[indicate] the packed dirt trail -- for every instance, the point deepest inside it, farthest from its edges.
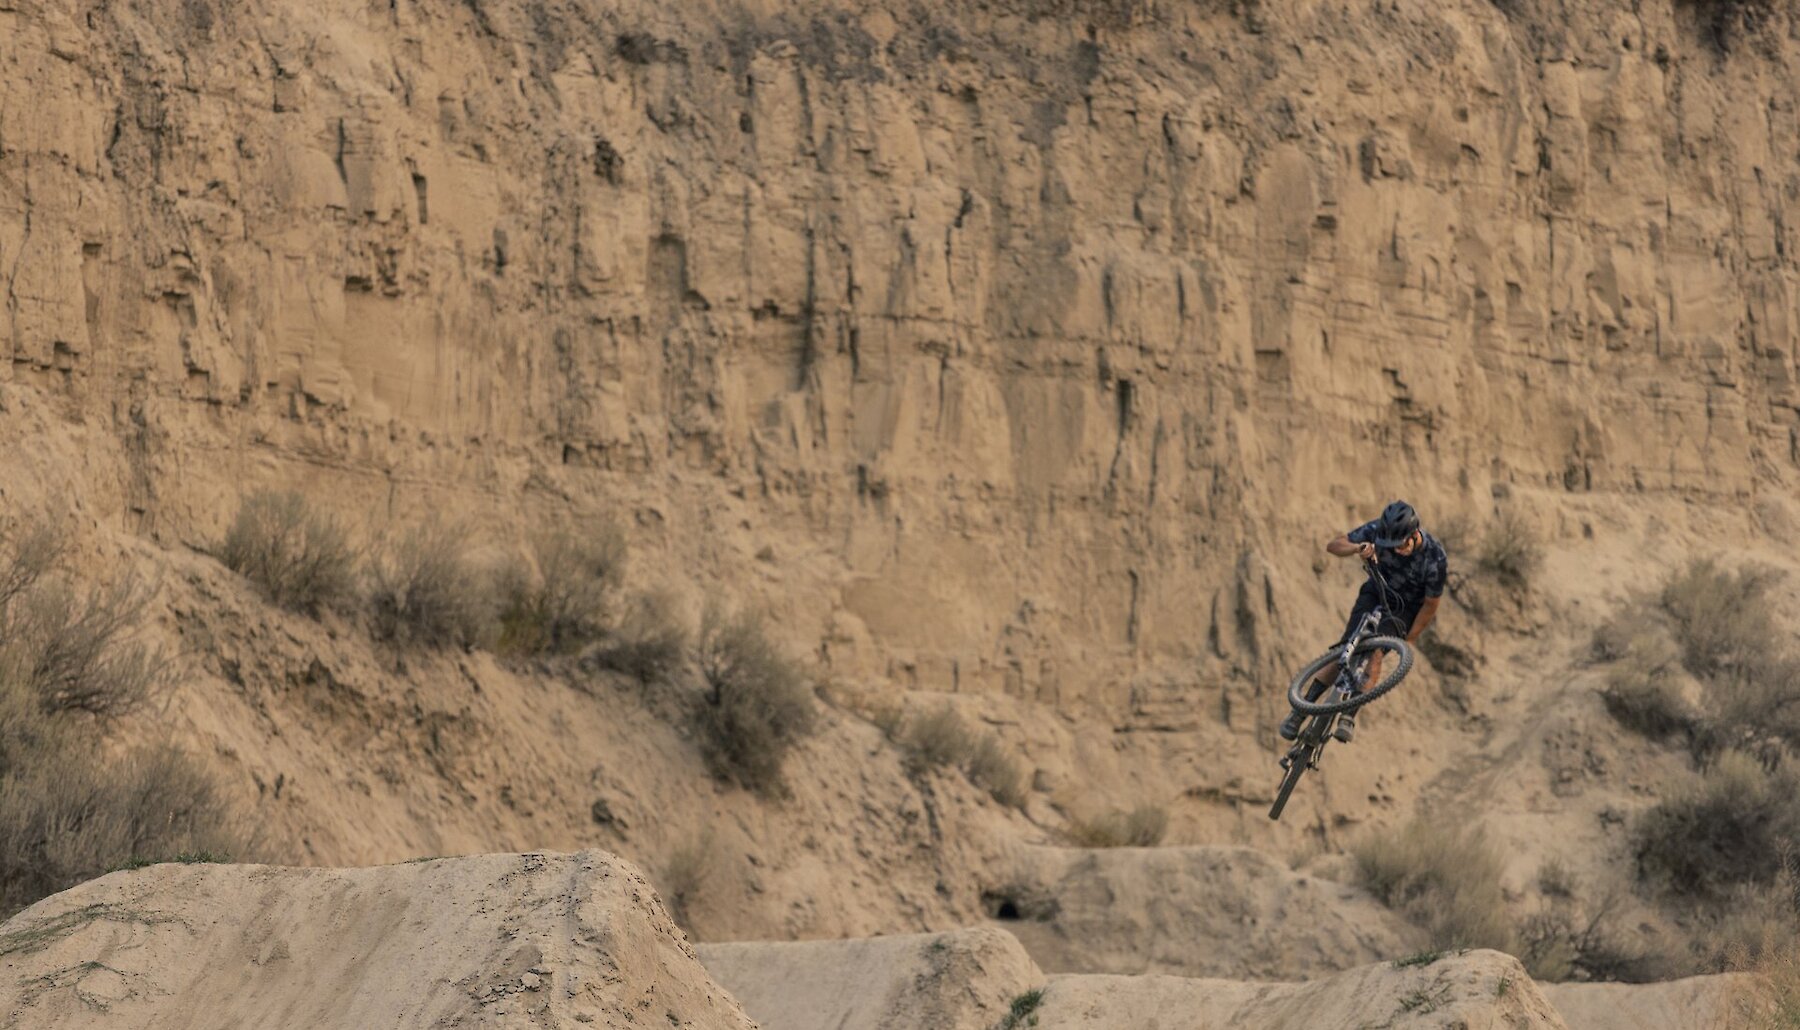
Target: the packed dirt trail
(571, 941)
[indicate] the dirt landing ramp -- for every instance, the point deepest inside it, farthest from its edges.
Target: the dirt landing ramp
(1195, 911)
(1696, 1003)
(961, 980)
(495, 941)
(1476, 991)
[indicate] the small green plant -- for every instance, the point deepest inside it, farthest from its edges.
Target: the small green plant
(300, 557)
(183, 858)
(1426, 999)
(424, 589)
(1423, 958)
(1501, 987)
(1023, 1011)
(1142, 827)
(757, 704)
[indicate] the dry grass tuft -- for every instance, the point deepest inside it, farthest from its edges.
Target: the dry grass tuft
(1142, 827)
(425, 590)
(1443, 879)
(300, 557)
(757, 704)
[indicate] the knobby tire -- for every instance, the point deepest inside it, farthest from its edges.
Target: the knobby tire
(1392, 645)
(1287, 786)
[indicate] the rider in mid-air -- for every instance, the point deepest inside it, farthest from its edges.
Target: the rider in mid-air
(1414, 567)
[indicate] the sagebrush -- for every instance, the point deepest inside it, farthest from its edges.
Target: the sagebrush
(425, 588)
(1724, 828)
(301, 557)
(649, 641)
(71, 807)
(757, 703)
(567, 598)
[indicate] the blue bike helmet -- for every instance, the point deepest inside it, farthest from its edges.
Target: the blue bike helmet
(1398, 521)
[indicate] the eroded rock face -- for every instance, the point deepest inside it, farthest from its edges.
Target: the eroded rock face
(544, 941)
(1005, 332)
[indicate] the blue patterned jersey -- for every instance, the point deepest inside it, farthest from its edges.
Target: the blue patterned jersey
(1411, 578)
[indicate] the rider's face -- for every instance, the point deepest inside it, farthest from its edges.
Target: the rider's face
(1407, 546)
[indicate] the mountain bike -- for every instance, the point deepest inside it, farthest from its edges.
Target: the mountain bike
(1345, 693)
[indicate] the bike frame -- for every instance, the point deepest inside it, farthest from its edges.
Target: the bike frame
(1310, 744)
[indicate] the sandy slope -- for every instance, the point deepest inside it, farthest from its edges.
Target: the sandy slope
(1193, 911)
(1696, 1003)
(543, 941)
(1480, 989)
(961, 980)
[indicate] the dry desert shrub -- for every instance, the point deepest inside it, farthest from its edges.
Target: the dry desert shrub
(300, 557)
(566, 600)
(66, 815)
(649, 641)
(425, 590)
(936, 739)
(1509, 550)
(1720, 617)
(997, 772)
(684, 876)
(757, 704)
(1717, 624)
(1443, 879)
(1644, 694)
(1724, 828)
(69, 808)
(1142, 827)
(71, 649)
(940, 738)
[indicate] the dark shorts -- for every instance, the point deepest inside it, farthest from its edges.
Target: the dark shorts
(1393, 623)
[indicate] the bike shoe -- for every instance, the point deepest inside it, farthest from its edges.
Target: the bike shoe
(1346, 728)
(1290, 726)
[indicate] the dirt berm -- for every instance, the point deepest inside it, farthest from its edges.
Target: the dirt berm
(495, 941)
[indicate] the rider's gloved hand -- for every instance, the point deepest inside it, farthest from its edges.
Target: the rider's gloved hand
(1367, 551)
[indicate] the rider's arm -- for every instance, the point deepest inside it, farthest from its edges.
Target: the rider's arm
(1427, 612)
(1344, 547)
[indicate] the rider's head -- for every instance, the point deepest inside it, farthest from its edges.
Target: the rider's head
(1399, 528)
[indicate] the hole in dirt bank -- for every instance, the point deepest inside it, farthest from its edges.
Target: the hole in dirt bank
(1017, 903)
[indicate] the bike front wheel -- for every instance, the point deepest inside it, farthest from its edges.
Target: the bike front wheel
(1296, 766)
(1389, 645)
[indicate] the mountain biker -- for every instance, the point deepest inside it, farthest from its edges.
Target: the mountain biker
(1413, 566)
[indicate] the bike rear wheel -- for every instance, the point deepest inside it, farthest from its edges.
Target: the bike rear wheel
(1391, 645)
